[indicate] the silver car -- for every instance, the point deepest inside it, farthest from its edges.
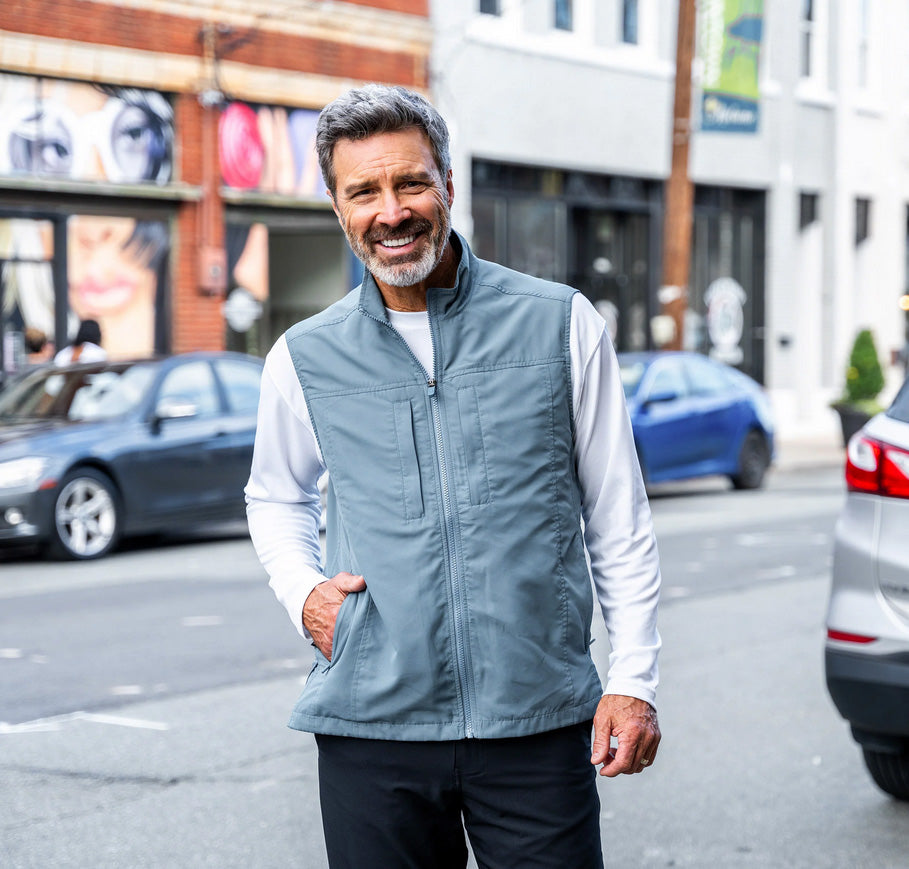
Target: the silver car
(867, 647)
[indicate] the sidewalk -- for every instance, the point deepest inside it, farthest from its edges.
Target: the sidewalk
(817, 452)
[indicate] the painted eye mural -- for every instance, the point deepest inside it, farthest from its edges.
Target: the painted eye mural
(84, 131)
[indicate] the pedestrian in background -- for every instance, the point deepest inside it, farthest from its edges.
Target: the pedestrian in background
(469, 416)
(86, 346)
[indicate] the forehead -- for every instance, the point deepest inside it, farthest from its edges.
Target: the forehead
(383, 153)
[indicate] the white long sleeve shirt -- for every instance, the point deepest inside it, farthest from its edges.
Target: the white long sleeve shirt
(283, 502)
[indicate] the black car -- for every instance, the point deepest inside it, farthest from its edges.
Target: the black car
(92, 452)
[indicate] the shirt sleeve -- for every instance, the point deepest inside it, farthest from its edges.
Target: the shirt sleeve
(618, 528)
(283, 505)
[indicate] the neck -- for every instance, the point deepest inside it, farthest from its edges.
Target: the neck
(414, 298)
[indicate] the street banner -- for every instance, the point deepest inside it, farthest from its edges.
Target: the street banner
(729, 46)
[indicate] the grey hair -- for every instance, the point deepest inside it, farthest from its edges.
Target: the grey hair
(375, 108)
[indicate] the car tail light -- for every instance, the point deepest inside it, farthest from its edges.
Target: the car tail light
(845, 637)
(877, 467)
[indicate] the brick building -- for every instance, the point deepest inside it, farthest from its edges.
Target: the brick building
(157, 171)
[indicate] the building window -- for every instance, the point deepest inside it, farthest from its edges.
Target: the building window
(630, 21)
(563, 16)
(862, 219)
(808, 209)
(807, 27)
(863, 38)
(491, 7)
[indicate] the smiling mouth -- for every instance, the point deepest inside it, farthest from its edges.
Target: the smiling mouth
(397, 242)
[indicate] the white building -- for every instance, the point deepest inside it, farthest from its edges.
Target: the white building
(561, 112)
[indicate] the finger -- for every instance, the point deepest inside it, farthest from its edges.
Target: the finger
(601, 738)
(349, 582)
(622, 760)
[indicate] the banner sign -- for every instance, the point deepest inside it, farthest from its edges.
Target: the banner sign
(729, 46)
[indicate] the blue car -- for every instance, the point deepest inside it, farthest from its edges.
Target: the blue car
(92, 452)
(694, 417)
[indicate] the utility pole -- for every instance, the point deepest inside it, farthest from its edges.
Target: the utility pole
(673, 295)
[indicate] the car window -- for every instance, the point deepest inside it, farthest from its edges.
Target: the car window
(900, 407)
(631, 374)
(705, 378)
(192, 383)
(108, 394)
(78, 394)
(241, 383)
(668, 379)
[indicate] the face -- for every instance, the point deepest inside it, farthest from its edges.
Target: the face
(393, 204)
(104, 278)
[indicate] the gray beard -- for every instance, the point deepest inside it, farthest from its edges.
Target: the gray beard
(406, 274)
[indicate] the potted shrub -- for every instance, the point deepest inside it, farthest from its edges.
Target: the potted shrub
(864, 382)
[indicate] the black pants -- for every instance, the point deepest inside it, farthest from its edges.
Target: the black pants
(526, 802)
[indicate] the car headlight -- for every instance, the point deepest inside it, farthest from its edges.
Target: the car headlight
(22, 473)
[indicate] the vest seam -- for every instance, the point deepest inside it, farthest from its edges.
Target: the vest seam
(554, 495)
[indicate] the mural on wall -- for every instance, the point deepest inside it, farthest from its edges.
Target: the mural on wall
(88, 132)
(116, 272)
(270, 149)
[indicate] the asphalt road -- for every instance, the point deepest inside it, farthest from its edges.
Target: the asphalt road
(143, 698)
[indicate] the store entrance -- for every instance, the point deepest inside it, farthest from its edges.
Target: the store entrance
(282, 269)
(611, 268)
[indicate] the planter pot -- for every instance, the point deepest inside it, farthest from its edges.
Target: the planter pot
(851, 420)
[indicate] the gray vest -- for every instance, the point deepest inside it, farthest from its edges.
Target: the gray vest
(454, 493)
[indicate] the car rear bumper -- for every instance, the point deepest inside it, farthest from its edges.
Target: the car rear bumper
(871, 692)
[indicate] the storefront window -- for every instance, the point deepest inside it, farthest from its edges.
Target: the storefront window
(26, 292)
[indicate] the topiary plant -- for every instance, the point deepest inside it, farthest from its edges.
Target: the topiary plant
(864, 376)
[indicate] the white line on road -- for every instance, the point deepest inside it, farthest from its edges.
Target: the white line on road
(201, 621)
(127, 690)
(42, 725)
(10, 653)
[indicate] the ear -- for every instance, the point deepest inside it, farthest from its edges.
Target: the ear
(449, 186)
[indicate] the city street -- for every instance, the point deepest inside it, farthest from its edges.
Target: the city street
(143, 702)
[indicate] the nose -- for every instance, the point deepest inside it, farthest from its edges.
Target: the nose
(392, 211)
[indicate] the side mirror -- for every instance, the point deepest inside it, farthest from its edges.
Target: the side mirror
(173, 407)
(661, 397)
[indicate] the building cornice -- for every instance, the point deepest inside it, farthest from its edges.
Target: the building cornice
(37, 55)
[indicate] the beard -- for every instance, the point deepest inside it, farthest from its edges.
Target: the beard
(410, 269)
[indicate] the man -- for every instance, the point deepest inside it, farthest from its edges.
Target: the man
(469, 417)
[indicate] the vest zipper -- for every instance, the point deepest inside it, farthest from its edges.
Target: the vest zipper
(457, 590)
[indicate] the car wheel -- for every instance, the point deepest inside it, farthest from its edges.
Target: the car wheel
(889, 771)
(754, 460)
(87, 516)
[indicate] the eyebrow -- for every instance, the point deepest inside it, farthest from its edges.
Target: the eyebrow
(422, 177)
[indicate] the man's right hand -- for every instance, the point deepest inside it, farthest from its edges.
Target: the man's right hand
(321, 608)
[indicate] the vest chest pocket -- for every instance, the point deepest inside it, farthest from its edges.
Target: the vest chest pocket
(474, 446)
(407, 455)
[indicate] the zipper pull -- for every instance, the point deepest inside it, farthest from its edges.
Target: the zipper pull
(431, 385)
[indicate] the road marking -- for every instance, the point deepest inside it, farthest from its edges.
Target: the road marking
(9, 654)
(782, 572)
(127, 690)
(201, 621)
(283, 664)
(122, 721)
(43, 725)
